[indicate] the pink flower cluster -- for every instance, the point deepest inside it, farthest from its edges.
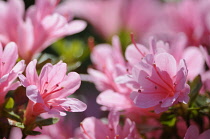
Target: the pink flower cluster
(8, 70)
(159, 85)
(48, 93)
(92, 128)
(165, 21)
(35, 29)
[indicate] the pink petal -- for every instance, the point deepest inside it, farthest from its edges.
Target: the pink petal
(114, 100)
(49, 71)
(9, 57)
(192, 132)
(205, 135)
(69, 104)
(33, 94)
(170, 100)
(133, 55)
(146, 100)
(95, 128)
(194, 60)
(31, 73)
(70, 84)
(76, 26)
(114, 118)
(166, 62)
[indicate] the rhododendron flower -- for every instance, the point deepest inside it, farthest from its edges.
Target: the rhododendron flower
(134, 15)
(49, 91)
(192, 55)
(161, 82)
(8, 70)
(36, 28)
(92, 128)
(109, 64)
(193, 133)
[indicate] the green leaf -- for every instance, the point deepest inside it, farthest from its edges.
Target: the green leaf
(13, 116)
(168, 119)
(195, 87)
(15, 123)
(71, 52)
(32, 133)
(9, 104)
(46, 122)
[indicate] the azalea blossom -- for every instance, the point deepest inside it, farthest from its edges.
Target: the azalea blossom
(92, 128)
(35, 29)
(193, 133)
(192, 55)
(49, 91)
(161, 83)
(108, 65)
(8, 70)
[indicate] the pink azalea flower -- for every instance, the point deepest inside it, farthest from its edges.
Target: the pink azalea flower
(8, 70)
(109, 64)
(176, 18)
(192, 55)
(49, 91)
(161, 82)
(193, 133)
(118, 15)
(36, 28)
(105, 16)
(92, 128)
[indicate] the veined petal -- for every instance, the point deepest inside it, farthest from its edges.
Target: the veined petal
(106, 99)
(9, 57)
(33, 94)
(69, 104)
(166, 62)
(134, 55)
(146, 100)
(75, 26)
(192, 132)
(69, 84)
(31, 74)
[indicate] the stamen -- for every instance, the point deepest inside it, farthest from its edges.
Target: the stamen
(154, 65)
(84, 131)
(91, 43)
(159, 85)
(47, 94)
(134, 42)
(117, 137)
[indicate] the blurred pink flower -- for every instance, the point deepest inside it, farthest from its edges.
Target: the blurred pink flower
(92, 128)
(8, 70)
(109, 64)
(112, 16)
(193, 133)
(176, 17)
(61, 130)
(161, 82)
(36, 28)
(49, 91)
(105, 16)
